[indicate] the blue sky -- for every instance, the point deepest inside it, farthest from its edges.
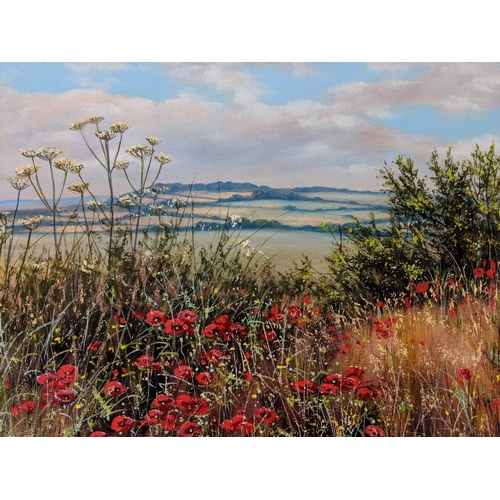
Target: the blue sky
(280, 124)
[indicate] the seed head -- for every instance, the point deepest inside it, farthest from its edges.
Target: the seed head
(80, 125)
(79, 187)
(163, 158)
(153, 140)
(105, 135)
(121, 164)
(28, 153)
(48, 153)
(27, 171)
(119, 128)
(95, 119)
(139, 151)
(32, 223)
(19, 183)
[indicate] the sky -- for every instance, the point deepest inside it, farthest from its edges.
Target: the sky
(277, 124)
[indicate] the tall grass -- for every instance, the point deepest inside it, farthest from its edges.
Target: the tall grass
(144, 333)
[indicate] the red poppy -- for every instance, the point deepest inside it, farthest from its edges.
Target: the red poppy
(495, 405)
(153, 417)
(169, 421)
(269, 335)
(67, 373)
(364, 393)
(353, 371)
(190, 429)
(192, 406)
(113, 389)
(265, 415)
(276, 316)
(65, 396)
(422, 287)
(28, 406)
(374, 431)
(242, 425)
(122, 424)
(184, 371)
(47, 380)
(187, 316)
(478, 272)
(228, 426)
(163, 402)
(214, 357)
(307, 300)
(204, 378)
(144, 361)
(350, 383)
(49, 396)
(156, 318)
(95, 346)
(137, 314)
(247, 376)
(294, 312)
(490, 273)
(464, 373)
(304, 386)
(333, 379)
(236, 331)
(177, 327)
(328, 389)
(379, 303)
(98, 434)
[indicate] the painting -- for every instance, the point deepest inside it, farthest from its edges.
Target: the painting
(249, 250)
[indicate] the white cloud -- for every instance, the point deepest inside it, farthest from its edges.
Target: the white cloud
(90, 67)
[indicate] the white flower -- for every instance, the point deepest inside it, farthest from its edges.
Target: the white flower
(79, 187)
(79, 125)
(32, 223)
(139, 151)
(28, 153)
(163, 158)
(119, 128)
(95, 119)
(27, 171)
(19, 183)
(121, 164)
(105, 135)
(94, 205)
(153, 140)
(125, 201)
(48, 153)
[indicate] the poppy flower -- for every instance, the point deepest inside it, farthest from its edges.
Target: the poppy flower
(304, 386)
(464, 373)
(49, 396)
(163, 402)
(177, 326)
(169, 421)
(236, 331)
(184, 371)
(95, 346)
(333, 379)
(98, 434)
(122, 424)
(478, 272)
(144, 361)
(269, 335)
(204, 378)
(47, 380)
(153, 417)
(247, 376)
(490, 273)
(328, 389)
(67, 373)
(242, 425)
(28, 406)
(495, 405)
(215, 331)
(276, 316)
(422, 287)
(113, 389)
(65, 396)
(364, 393)
(353, 371)
(137, 315)
(156, 318)
(228, 426)
(294, 312)
(265, 415)
(350, 383)
(192, 406)
(190, 429)
(374, 431)
(214, 357)
(187, 316)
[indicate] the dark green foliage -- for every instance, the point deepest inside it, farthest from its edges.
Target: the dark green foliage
(443, 224)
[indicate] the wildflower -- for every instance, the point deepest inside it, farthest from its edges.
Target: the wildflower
(478, 272)
(153, 417)
(79, 187)
(156, 318)
(177, 327)
(46, 379)
(204, 378)
(374, 431)
(333, 379)
(463, 374)
(153, 141)
(163, 159)
(98, 434)
(113, 389)
(184, 372)
(294, 312)
(67, 373)
(163, 402)
(28, 406)
(119, 128)
(269, 335)
(190, 429)
(364, 393)
(19, 183)
(48, 154)
(350, 383)
(27, 171)
(192, 406)
(236, 331)
(495, 405)
(122, 424)
(32, 223)
(328, 389)
(276, 316)
(353, 371)
(126, 201)
(79, 125)
(28, 153)
(247, 376)
(187, 316)
(95, 119)
(65, 395)
(422, 287)
(303, 386)
(94, 205)
(139, 152)
(121, 164)
(239, 423)
(144, 361)
(214, 357)
(105, 135)
(265, 415)
(490, 273)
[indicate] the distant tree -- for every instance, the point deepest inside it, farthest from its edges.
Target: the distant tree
(448, 223)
